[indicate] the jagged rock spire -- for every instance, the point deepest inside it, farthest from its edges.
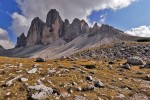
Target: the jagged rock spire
(35, 32)
(21, 41)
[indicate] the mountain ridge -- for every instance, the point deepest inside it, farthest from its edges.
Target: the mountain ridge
(56, 38)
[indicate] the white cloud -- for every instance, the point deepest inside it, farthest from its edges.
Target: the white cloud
(4, 40)
(20, 23)
(69, 9)
(143, 31)
(103, 18)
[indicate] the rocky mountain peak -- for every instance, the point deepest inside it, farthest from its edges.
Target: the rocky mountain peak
(76, 21)
(66, 21)
(21, 41)
(96, 26)
(84, 27)
(35, 32)
(94, 30)
(52, 16)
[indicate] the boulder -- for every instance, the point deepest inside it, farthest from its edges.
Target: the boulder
(39, 59)
(135, 61)
(91, 66)
(39, 92)
(98, 83)
(89, 78)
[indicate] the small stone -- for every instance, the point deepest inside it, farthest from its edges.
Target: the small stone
(32, 71)
(8, 93)
(111, 62)
(127, 66)
(99, 84)
(120, 79)
(79, 98)
(74, 83)
(88, 88)
(121, 96)
(64, 95)
(36, 65)
(20, 65)
(110, 67)
(23, 79)
(89, 78)
(90, 66)
(79, 88)
(148, 77)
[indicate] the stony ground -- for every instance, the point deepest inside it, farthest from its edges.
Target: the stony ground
(73, 79)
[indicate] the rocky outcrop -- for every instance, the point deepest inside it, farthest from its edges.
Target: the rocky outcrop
(21, 41)
(94, 30)
(75, 29)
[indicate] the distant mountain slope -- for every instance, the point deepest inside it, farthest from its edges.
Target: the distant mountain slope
(56, 38)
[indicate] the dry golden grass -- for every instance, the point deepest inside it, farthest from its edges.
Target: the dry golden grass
(113, 86)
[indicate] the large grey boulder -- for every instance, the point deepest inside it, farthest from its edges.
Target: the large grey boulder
(135, 61)
(41, 92)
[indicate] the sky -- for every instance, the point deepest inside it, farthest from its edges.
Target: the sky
(130, 16)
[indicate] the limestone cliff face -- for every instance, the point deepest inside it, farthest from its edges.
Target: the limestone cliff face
(35, 32)
(75, 29)
(21, 41)
(45, 33)
(55, 23)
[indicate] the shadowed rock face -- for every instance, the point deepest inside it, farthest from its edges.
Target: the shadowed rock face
(1, 47)
(21, 41)
(75, 29)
